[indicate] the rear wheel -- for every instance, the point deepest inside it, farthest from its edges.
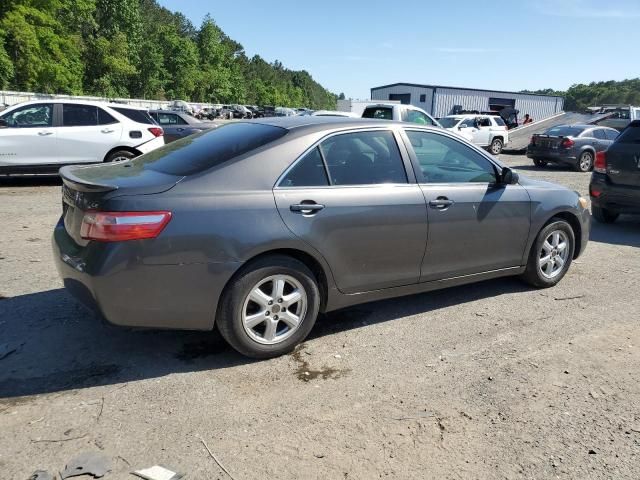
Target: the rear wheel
(603, 215)
(119, 156)
(496, 146)
(538, 162)
(269, 308)
(585, 162)
(550, 255)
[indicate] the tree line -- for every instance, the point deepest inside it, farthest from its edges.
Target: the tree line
(138, 49)
(580, 96)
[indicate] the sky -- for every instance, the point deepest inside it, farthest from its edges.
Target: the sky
(352, 45)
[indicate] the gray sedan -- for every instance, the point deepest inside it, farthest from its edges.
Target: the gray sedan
(179, 124)
(257, 226)
(573, 145)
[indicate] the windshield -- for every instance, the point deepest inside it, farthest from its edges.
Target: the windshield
(448, 122)
(200, 152)
(564, 131)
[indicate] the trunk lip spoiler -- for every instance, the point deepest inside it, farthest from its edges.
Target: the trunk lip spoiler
(80, 184)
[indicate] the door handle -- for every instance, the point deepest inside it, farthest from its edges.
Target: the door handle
(441, 203)
(180, 129)
(45, 133)
(107, 130)
(306, 208)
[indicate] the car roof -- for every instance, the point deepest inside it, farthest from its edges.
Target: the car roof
(309, 123)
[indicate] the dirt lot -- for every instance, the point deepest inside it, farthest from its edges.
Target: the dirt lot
(493, 380)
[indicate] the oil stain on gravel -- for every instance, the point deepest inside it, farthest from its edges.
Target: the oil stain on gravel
(305, 374)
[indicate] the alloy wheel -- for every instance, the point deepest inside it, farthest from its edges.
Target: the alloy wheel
(274, 309)
(586, 160)
(554, 254)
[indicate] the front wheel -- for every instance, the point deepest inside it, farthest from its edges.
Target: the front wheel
(119, 156)
(603, 215)
(496, 146)
(550, 255)
(585, 162)
(538, 162)
(269, 308)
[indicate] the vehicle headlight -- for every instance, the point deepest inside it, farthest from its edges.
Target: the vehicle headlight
(584, 203)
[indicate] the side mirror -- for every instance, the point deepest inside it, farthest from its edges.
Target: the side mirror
(3, 123)
(508, 177)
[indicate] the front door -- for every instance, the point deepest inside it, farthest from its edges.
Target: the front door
(29, 138)
(350, 199)
(483, 136)
(475, 224)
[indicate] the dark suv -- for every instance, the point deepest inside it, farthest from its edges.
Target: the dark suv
(615, 182)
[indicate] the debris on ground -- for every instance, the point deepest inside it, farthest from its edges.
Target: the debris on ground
(88, 463)
(40, 475)
(215, 459)
(157, 472)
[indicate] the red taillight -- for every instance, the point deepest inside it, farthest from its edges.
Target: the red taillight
(121, 226)
(600, 165)
(156, 131)
(594, 192)
(567, 143)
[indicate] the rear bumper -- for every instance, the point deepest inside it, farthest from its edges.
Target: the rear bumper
(616, 198)
(151, 145)
(557, 156)
(114, 281)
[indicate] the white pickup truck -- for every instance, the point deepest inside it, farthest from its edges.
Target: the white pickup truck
(400, 113)
(487, 131)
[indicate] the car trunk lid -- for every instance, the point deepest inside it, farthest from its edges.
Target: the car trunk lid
(87, 188)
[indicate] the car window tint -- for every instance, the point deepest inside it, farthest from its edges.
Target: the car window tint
(611, 134)
(74, 115)
(105, 118)
(30, 116)
(631, 134)
(484, 122)
(499, 121)
(564, 131)
(363, 158)
(309, 171)
(414, 116)
(384, 113)
(468, 122)
(445, 160)
(200, 152)
(139, 116)
(599, 134)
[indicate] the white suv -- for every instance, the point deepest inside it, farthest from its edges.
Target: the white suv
(487, 131)
(46, 134)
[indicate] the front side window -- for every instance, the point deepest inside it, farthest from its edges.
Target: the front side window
(170, 119)
(414, 116)
(468, 123)
(30, 116)
(74, 115)
(309, 171)
(445, 160)
(363, 158)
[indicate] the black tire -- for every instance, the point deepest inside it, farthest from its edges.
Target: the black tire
(602, 215)
(540, 163)
(229, 319)
(496, 146)
(119, 156)
(533, 274)
(585, 162)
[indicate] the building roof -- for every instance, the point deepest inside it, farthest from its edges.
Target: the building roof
(462, 88)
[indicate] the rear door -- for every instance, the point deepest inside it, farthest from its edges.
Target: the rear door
(350, 198)
(87, 133)
(475, 224)
(30, 138)
(623, 158)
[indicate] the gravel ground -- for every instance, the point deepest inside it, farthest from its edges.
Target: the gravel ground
(493, 380)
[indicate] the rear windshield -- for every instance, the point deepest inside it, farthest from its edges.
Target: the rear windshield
(448, 122)
(631, 134)
(384, 113)
(139, 116)
(200, 152)
(564, 131)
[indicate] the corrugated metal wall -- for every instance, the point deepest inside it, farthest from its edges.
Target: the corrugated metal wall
(539, 107)
(415, 92)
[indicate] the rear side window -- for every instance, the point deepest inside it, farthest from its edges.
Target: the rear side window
(139, 116)
(599, 134)
(309, 171)
(363, 158)
(105, 118)
(200, 152)
(414, 116)
(499, 121)
(631, 134)
(611, 134)
(74, 115)
(383, 113)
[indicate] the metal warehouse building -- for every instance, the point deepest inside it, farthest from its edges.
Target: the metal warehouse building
(440, 101)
